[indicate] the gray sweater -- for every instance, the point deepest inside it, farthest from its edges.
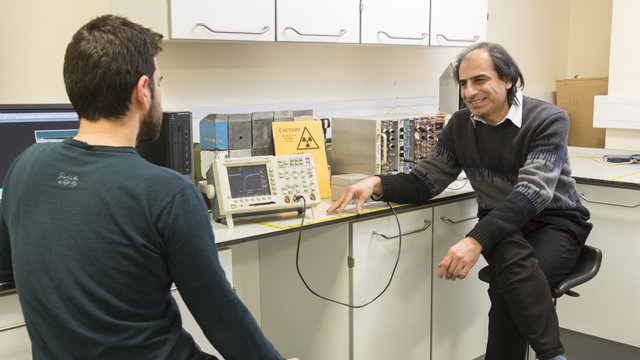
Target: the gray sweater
(518, 174)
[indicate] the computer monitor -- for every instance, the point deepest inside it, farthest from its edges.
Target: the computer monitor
(25, 124)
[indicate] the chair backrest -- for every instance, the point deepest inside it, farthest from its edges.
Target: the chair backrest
(585, 269)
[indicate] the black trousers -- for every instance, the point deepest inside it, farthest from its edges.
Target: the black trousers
(526, 264)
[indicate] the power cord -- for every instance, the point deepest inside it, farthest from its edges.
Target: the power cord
(461, 178)
(395, 266)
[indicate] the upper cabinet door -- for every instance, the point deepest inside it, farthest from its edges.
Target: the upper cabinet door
(458, 22)
(331, 21)
(395, 22)
(252, 20)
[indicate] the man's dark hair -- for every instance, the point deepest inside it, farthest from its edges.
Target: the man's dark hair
(503, 64)
(103, 63)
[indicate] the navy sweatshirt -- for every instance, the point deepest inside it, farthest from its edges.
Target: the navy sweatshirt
(93, 237)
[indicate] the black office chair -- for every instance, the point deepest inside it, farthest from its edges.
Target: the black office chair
(585, 269)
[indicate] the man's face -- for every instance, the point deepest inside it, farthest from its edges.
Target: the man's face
(152, 121)
(482, 90)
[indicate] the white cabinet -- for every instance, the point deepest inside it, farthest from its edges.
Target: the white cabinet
(188, 321)
(223, 20)
(150, 13)
(329, 21)
(609, 304)
(14, 339)
(460, 308)
(396, 325)
(407, 22)
(15, 344)
(297, 322)
(191, 326)
(395, 22)
(458, 22)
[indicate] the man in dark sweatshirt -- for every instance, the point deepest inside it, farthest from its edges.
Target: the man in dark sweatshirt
(94, 236)
(532, 226)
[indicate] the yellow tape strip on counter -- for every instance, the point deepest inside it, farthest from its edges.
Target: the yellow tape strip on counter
(317, 221)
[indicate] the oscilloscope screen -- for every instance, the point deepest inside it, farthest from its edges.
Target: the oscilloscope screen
(248, 181)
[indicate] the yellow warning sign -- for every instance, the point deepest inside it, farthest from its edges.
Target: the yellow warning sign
(304, 137)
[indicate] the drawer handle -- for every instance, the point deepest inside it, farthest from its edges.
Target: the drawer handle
(11, 327)
(342, 32)
(450, 221)
(422, 37)
(475, 38)
(606, 203)
(264, 30)
(427, 223)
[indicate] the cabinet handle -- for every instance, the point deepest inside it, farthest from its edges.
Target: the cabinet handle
(342, 32)
(606, 203)
(449, 221)
(264, 30)
(11, 327)
(475, 38)
(427, 223)
(422, 37)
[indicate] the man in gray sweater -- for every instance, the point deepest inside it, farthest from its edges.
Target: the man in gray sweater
(531, 225)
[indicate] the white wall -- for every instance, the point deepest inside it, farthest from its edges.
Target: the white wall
(589, 38)
(536, 35)
(624, 71)
(33, 38)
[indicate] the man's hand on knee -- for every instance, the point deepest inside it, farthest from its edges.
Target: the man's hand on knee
(459, 260)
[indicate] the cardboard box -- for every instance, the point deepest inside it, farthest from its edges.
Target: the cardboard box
(575, 96)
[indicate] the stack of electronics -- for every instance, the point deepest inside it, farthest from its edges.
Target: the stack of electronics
(243, 135)
(243, 176)
(383, 144)
(174, 147)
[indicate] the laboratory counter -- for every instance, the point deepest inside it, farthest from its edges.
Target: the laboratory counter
(255, 227)
(587, 165)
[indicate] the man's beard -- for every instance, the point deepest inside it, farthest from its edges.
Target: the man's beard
(151, 124)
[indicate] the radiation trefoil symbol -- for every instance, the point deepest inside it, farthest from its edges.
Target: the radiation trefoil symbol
(307, 142)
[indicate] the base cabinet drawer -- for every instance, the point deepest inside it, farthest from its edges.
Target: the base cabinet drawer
(14, 339)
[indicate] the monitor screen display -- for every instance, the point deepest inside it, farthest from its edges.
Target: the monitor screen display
(26, 124)
(248, 181)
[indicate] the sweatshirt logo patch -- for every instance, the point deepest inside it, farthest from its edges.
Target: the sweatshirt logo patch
(68, 181)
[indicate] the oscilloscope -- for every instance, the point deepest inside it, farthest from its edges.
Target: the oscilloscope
(264, 183)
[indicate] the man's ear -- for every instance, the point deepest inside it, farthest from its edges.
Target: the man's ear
(508, 82)
(142, 93)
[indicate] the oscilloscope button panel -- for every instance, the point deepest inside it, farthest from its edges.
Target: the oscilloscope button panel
(285, 178)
